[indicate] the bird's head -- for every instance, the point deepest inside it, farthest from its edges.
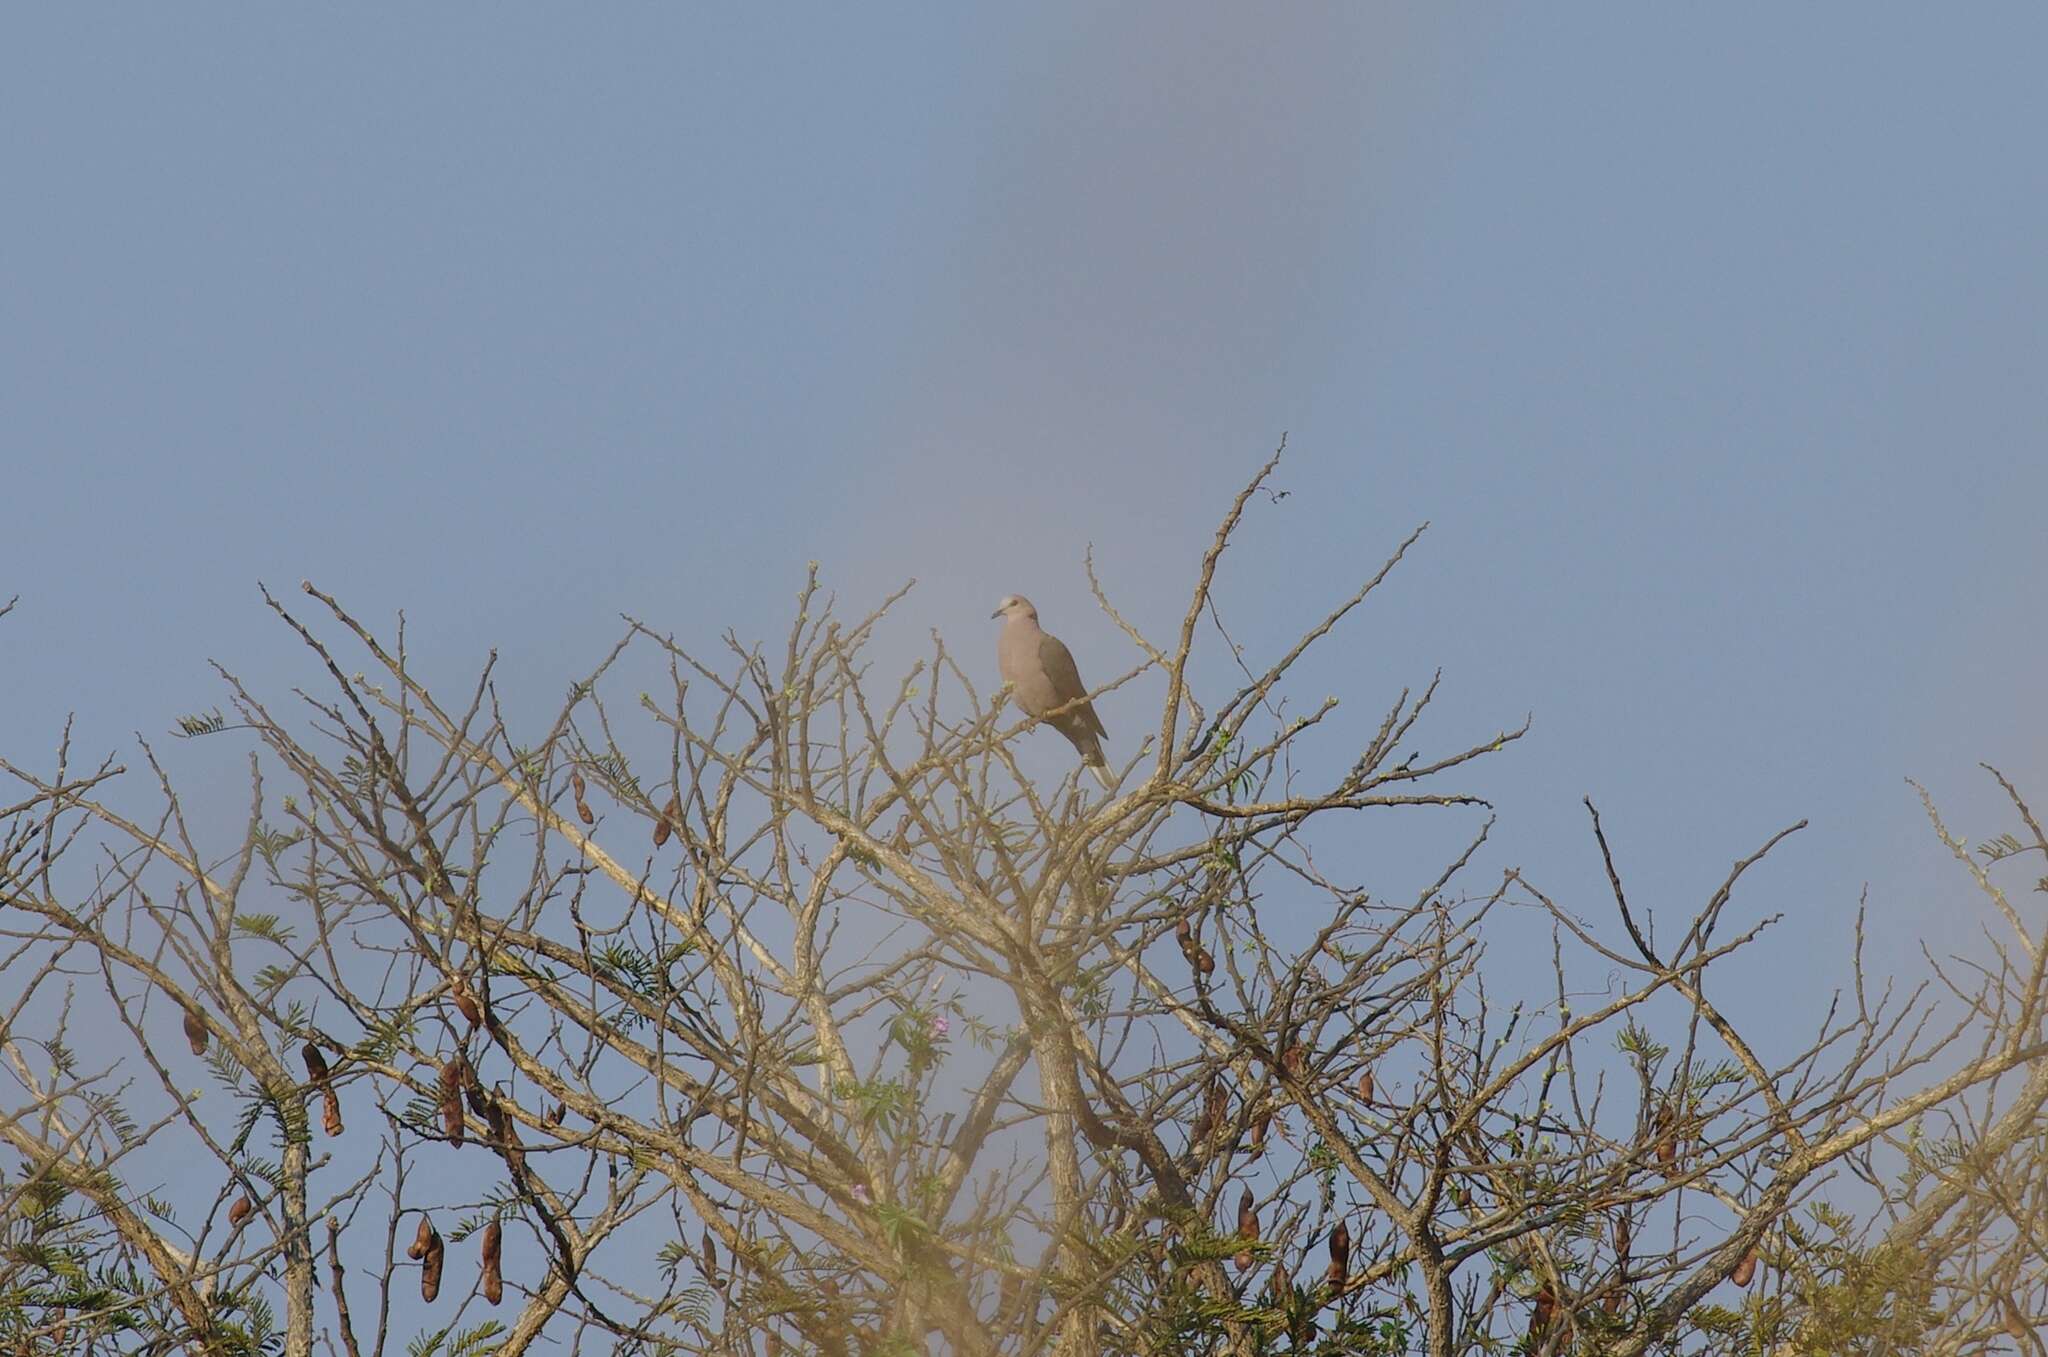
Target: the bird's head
(1015, 605)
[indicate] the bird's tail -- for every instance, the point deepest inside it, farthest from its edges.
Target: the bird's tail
(1091, 754)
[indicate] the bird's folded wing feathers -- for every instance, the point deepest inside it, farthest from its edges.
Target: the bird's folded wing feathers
(1066, 682)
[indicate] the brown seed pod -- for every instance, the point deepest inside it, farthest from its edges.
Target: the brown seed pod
(418, 1248)
(1260, 1125)
(578, 785)
(711, 1260)
(494, 1279)
(506, 1132)
(1340, 1257)
(1216, 1103)
(1295, 1058)
(554, 1116)
(466, 1002)
(1277, 1289)
(451, 1115)
(583, 813)
(455, 1082)
(1664, 1127)
(239, 1212)
(1204, 963)
(454, 1070)
(1612, 1305)
(316, 1064)
(1205, 1121)
(195, 1032)
(474, 1092)
(1546, 1306)
(430, 1266)
(1745, 1271)
(331, 1120)
(1365, 1086)
(1247, 1228)
(1622, 1238)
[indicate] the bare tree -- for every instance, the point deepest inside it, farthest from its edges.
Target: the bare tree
(784, 1012)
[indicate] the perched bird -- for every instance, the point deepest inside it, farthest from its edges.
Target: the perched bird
(1042, 677)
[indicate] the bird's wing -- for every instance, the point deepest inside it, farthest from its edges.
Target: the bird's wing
(1058, 663)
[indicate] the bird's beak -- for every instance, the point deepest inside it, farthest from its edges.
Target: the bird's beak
(997, 613)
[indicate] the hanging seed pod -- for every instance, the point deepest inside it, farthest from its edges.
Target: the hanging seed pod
(239, 1212)
(494, 1280)
(1745, 1271)
(1612, 1305)
(430, 1266)
(711, 1261)
(578, 785)
(466, 1002)
(1277, 1289)
(1340, 1258)
(1204, 963)
(451, 1115)
(316, 1069)
(1365, 1086)
(453, 1071)
(418, 1248)
(1664, 1130)
(195, 1032)
(1247, 1229)
(474, 1092)
(1262, 1124)
(671, 819)
(554, 1116)
(1294, 1058)
(1216, 1103)
(1623, 1237)
(506, 1131)
(1205, 1121)
(583, 813)
(1546, 1306)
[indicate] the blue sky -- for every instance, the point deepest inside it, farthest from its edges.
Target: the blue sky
(1709, 340)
